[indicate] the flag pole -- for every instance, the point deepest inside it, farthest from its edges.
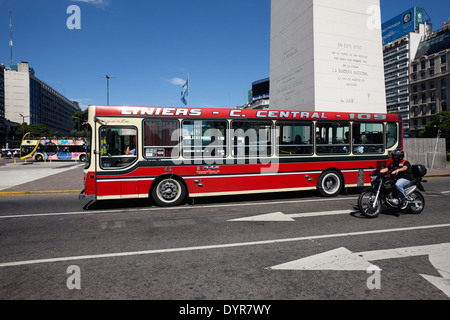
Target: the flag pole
(188, 89)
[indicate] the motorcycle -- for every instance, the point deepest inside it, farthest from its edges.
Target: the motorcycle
(383, 192)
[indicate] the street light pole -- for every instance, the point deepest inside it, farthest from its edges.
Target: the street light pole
(23, 121)
(107, 87)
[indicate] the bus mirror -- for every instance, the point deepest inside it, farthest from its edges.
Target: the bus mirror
(100, 121)
(109, 136)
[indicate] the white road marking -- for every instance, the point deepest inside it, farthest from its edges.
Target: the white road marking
(343, 259)
(218, 246)
(280, 216)
(35, 215)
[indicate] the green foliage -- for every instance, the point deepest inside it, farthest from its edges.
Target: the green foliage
(79, 120)
(431, 129)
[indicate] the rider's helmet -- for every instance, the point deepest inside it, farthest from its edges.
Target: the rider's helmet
(398, 156)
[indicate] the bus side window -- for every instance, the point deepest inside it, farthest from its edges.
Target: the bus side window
(331, 138)
(294, 138)
(368, 138)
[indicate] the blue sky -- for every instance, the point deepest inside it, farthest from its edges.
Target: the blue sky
(151, 45)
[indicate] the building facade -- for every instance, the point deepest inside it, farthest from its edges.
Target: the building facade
(259, 95)
(29, 99)
(430, 79)
(401, 39)
(2, 103)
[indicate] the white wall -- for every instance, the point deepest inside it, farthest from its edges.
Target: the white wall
(17, 94)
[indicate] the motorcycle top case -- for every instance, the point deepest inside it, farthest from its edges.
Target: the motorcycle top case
(419, 170)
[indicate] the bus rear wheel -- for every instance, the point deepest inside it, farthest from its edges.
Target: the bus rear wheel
(169, 192)
(330, 183)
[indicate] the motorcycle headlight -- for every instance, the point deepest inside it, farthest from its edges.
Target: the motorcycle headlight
(373, 178)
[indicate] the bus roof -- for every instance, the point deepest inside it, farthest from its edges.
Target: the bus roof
(141, 111)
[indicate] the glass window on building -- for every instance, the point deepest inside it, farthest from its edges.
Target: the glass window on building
(424, 110)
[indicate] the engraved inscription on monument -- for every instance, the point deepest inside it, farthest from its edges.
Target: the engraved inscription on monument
(350, 65)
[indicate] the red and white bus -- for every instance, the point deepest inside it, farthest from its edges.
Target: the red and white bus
(169, 154)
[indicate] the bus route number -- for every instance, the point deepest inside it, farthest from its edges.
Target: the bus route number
(366, 116)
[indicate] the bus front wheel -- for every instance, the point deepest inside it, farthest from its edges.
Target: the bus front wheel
(168, 192)
(330, 183)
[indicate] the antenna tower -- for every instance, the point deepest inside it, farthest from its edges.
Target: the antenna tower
(10, 34)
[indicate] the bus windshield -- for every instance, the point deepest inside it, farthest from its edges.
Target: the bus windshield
(118, 146)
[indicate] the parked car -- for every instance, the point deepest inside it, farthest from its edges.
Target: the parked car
(6, 153)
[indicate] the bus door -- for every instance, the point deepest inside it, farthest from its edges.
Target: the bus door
(116, 156)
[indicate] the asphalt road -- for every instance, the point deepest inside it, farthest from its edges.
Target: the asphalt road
(56, 247)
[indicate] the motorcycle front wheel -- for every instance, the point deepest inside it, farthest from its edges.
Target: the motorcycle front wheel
(366, 203)
(416, 202)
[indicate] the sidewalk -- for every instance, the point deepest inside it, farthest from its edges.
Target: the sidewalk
(61, 177)
(438, 172)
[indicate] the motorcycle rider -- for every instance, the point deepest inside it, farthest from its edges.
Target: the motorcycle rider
(401, 169)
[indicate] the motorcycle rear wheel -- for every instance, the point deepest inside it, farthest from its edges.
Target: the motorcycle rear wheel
(416, 202)
(366, 204)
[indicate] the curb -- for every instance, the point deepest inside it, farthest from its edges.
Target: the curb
(37, 192)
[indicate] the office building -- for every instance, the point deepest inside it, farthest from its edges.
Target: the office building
(3, 128)
(29, 99)
(401, 38)
(258, 97)
(430, 78)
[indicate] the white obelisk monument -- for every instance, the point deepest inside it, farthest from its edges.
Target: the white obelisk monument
(326, 55)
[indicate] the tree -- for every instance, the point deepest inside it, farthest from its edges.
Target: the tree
(35, 130)
(79, 120)
(441, 121)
